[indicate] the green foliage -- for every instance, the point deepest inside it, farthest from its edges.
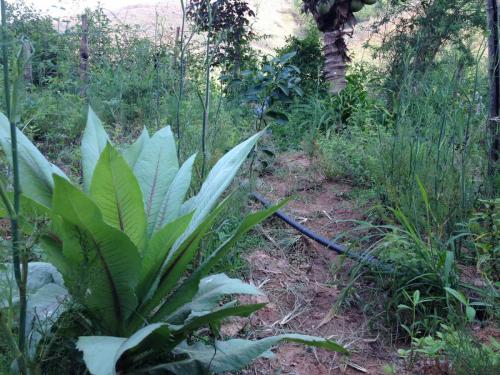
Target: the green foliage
(125, 248)
(424, 30)
(333, 14)
(102, 353)
(324, 117)
(135, 253)
(132, 82)
(457, 350)
(424, 289)
(308, 59)
(483, 238)
(349, 155)
(35, 171)
(438, 125)
(227, 23)
(468, 356)
(28, 24)
(272, 86)
(421, 264)
(420, 291)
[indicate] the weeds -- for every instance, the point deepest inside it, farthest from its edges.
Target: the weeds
(452, 350)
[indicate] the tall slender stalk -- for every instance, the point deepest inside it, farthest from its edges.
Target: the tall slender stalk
(181, 80)
(20, 273)
(494, 73)
(206, 106)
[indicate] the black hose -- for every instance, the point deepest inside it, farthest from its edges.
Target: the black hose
(362, 258)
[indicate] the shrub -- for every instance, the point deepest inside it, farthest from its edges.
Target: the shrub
(414, 293)
(436, 136)
(348, 155)
(460, 352)
(125, 246)
(469, 357)
(308, 59)
(483, 237)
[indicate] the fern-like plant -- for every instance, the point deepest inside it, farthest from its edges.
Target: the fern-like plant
(125, 246)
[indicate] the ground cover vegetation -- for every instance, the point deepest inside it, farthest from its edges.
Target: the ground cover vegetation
(128, 159)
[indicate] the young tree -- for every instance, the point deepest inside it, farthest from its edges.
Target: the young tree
(421, 30)
(228, 25)
(335, 19)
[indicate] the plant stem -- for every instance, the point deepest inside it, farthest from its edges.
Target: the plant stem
(11, 341)
(206, 107)
(21, 277)
(181, 81)
(494, 99)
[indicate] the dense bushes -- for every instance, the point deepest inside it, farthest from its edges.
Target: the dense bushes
(416, 138)
(350, 155)
(434, 132)
(308, 59)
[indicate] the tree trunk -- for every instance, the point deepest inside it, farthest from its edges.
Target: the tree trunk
(494, 74)
(237, 57)
(336, 59)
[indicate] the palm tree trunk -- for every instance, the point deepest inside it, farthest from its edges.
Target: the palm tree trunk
(336, 59)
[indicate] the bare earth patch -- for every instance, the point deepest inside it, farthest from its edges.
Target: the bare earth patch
(300, 284)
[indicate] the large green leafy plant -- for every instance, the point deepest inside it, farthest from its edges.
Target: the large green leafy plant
(125, 246)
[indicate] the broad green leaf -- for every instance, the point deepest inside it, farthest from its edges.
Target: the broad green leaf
(217, 181)
(210, 292)
(172, 203)
(131, 154)
(178, 333)
(99, 353)
(29, 207)
(137, 338)
(52, 247)
(102, 353)
(35, 172)
(416, 297)
(155, 170)
(109, 257)
(116, 192)
(206, 318)
(156, 253)
(189, 287)
(94, 141)
(470, 312)
(113, 349)
(179, 259)
(458, 295)
(233, 355)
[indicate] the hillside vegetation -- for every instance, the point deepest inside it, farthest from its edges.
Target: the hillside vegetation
(251, 187)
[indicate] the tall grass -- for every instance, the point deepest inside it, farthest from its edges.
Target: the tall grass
(437, 137)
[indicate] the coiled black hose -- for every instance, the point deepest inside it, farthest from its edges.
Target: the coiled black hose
(362, 258)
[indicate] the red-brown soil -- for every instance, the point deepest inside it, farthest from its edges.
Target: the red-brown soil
(299, 281)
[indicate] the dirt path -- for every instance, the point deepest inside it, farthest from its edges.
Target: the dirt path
(299, 282)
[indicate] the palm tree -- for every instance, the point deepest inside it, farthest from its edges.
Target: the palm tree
(335, 19)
